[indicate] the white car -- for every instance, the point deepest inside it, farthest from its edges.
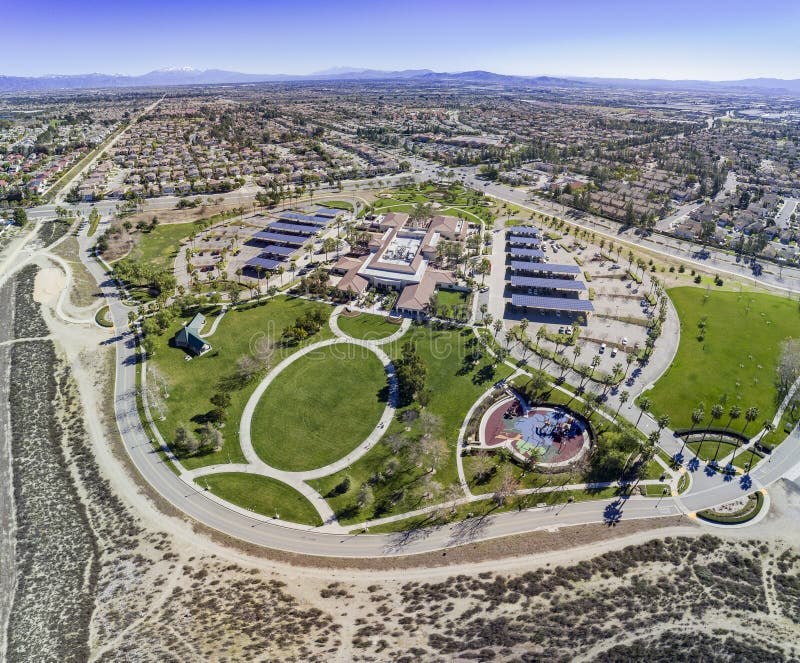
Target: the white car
(624, 340)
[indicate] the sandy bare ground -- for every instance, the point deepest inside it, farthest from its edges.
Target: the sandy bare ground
(48, 285)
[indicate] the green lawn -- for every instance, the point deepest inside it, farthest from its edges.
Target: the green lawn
(320, 408)
(454, 201)
(191, 384)
(452, 297)
(262, 495)
(367, 326)
(454, 388)
(706, 450)
(745, 457)
(734, 364)
(159, 247)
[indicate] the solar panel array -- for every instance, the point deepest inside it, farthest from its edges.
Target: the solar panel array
(526, 254)
(527, 261)
(284, 238)
(293, 228)
(543, 268)
(549, 284)
(525, 230)
(522, 239)
(552, 303)
(265, 263)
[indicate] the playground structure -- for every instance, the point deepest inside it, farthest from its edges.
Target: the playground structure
(547, 435)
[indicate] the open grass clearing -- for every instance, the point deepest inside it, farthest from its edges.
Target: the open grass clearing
(725, 364)
(262, 495)
(367, 326)
(191, 384)
(319, 408)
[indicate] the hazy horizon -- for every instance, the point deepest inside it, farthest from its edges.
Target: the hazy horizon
(710, 40)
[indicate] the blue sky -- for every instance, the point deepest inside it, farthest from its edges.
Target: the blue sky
(643, 38)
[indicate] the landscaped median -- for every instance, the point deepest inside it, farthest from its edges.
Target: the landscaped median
(102, 317)
(735, 516)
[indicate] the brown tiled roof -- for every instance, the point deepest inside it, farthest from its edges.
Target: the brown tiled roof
(416, 297)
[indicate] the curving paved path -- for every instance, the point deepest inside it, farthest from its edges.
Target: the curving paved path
(298, 480)
(705, 492)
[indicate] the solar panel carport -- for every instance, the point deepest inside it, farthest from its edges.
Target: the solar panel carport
(543, 268)
(550, 284)
(294, 228)
(296, 240)
(526, 253)
(552, 303)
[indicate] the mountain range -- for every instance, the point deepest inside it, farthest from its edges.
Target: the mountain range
(174, 76)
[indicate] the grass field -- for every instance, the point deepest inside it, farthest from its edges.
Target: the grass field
(191, 384)
(367, 326)
(320, 408)
(452, 297)
(159, 247)
(734, 364)
(262, 495)
(454, 388)
(453, 201)
(706, 450)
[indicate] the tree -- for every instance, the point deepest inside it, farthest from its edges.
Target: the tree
(210, 437)
(20, 217)
(662, 422)
(328, 245)
(644, 404)
(185, 441)
(623, 398)
(734, 413)
(497, 326)
(411, 373)
(509, 484)
(365, 496)
(716, 413)
(484, 268)
(750, 415)
(482, 467)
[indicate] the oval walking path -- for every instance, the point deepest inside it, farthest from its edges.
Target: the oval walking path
(298, 480)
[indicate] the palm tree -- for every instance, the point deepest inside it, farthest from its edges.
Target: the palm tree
(662, 422)
(623, 398)
(498, 325)
(734, 413)
(750, 415)
(716, 413)
(644, 404)
(576, 350)
(281, 270)
(768, 428)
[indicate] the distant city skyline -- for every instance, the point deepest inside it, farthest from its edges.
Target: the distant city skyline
(709, 40)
